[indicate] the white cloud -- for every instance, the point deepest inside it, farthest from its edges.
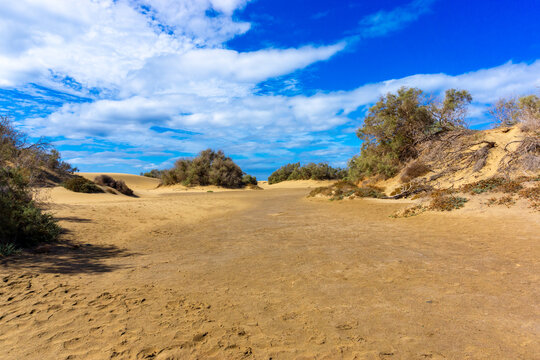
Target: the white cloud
(163, 63)
(383, 22)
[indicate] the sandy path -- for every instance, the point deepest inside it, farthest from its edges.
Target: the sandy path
(270, 274)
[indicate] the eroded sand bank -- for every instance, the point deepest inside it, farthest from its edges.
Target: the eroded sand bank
(271, 274)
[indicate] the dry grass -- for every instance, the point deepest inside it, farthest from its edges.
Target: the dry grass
(414, 170)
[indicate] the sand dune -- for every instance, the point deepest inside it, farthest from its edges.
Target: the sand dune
(271, 274)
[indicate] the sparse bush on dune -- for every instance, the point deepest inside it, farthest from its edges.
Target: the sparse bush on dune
(347, 189)
(249, 180)
(22, 166)
(311, 171)
(208, 168)
(120, 185)
(79, 184)
(524, 111)
(154, 173)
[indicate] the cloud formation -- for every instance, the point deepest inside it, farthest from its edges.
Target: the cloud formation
(141, 82)
(384, 22)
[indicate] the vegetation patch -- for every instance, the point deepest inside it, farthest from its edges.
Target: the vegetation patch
(208, 168)
(532, 194)
(409, 212)
(446, 202)
(79, 184)
(311, 171)
(346, 189)
(24, 166)
(119, 185)
(414, 170)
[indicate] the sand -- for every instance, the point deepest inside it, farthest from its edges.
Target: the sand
(271, 274)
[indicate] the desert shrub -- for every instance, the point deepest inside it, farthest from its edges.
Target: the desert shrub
(414, 170)
(530, 113)
(524, 111)
(344, 188)
(283, 173)
(482, 186)
(208, 168)
(493, 184)
(120, 185)
(532, 194)
(397, 123)
(154, 173)
(23, 223)
(249, 180)
(446, 202)
(409, 212)
(82, 185)
(22, 164)
(311, 171)
(505, 112)
(39, 161)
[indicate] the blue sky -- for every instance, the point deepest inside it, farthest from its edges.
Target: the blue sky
(130, 85)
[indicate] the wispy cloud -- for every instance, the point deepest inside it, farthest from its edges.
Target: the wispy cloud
(384, 22)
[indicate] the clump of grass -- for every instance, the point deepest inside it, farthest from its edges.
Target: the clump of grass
(8, 249)
(446, 202)
(483, 186)
(507, 200)
(409, 212)
(494, 184)
(414, 170)
(82, 185)
(346, 189)
(120, 185)
(533, 195)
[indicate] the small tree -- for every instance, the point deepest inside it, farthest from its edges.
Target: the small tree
(505, 112)
(398, 122)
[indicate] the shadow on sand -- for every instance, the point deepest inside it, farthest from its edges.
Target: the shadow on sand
(67, 257)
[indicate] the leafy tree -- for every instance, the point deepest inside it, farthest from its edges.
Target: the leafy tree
(505, 112)
(396, 124)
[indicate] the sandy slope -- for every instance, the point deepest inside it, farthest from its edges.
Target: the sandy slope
(271, 274)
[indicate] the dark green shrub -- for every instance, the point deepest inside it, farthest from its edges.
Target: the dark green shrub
(208, 168)
(311, 171)
(154, 173)
(23, 223)
(249, 180)
(120, 185)
(82, 185)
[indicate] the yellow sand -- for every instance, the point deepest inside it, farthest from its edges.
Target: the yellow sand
(271, 274)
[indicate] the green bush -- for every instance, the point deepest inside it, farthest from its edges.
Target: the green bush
(23, 166)
(311, 171)
(23, 222)
(120, 185)
(82, 185)
(249, 180)
(154, 173)
(208, 168)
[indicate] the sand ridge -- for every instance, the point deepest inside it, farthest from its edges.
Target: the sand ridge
(271, 274)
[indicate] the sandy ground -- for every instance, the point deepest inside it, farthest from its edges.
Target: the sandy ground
(271, 275)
